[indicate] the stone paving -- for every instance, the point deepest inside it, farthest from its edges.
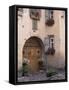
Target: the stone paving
(39, 76)
(58, 76)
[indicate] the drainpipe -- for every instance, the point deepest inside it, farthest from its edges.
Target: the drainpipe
(46, 67)
(45, 59)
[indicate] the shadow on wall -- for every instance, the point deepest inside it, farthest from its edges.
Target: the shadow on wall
(19, 64)
(56, 61)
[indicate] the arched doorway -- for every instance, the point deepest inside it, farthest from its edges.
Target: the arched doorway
(32, 52)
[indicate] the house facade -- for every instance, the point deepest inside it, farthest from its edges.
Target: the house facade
(41, 38)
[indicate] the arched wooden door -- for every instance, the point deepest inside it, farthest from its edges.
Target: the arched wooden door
(32, 51)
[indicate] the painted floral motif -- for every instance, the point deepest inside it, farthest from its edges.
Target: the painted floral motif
(35, 14)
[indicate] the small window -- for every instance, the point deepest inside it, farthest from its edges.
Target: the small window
(34, 25)
(51, 49)
(49, 14)
(51, 41)
(49, 18)
(46, 14)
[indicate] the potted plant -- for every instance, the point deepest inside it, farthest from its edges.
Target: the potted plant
(50, 22)
(24, 69)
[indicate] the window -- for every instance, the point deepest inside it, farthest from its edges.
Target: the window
(34, 25)
(49, 19)
(51, 13)
(51, 41)
(51, 49)
(48, 14)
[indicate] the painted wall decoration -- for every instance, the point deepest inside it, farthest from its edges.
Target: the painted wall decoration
(35, 14)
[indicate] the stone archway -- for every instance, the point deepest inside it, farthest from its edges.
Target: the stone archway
(32, 52)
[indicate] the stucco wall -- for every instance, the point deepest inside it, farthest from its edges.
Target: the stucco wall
(58, 30)
(58, 60)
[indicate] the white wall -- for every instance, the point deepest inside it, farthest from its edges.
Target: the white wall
(25, 32)
(58, 60)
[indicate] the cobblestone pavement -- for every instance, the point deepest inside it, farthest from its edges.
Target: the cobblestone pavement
(58, 76)
(42, 76)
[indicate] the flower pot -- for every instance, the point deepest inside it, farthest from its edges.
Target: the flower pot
(50, 22)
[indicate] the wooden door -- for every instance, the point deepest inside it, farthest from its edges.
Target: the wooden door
(33, 59)
(33, 52)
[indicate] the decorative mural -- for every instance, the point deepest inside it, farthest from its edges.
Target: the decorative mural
(35, 14)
